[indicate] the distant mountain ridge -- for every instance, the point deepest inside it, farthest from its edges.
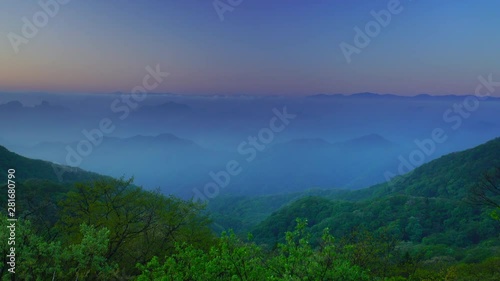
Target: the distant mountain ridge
(368, 95)
(44, 105)
(370, 139)
(164, 138)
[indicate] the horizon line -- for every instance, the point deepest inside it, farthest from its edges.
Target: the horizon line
(318, 95)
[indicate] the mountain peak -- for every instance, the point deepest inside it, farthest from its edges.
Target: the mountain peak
(370, 139)
(12, 105)
(163, 138)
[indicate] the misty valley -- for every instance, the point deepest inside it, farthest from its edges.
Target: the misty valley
(237, 140)
(280, 144)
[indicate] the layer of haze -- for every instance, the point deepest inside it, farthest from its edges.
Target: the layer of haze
(178, 143)
(261, 47)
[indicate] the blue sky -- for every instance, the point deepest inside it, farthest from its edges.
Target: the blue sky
(261, 47)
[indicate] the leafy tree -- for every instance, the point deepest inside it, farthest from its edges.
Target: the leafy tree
(141, 223)
(297, 260)
(487, 192)
(87, 259)
(39, 204)
(38, 259)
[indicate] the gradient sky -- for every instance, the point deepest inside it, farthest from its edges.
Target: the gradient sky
(262, 47)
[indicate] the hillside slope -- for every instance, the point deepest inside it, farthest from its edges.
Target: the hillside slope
(27, 168)
(426, 208)
(449, 176)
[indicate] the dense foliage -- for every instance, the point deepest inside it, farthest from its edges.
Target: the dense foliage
(437, 227)
(110, 229)
(99, 230)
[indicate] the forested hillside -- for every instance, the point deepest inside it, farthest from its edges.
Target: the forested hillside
(92, 227)
(37, 169)
(449, 177)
